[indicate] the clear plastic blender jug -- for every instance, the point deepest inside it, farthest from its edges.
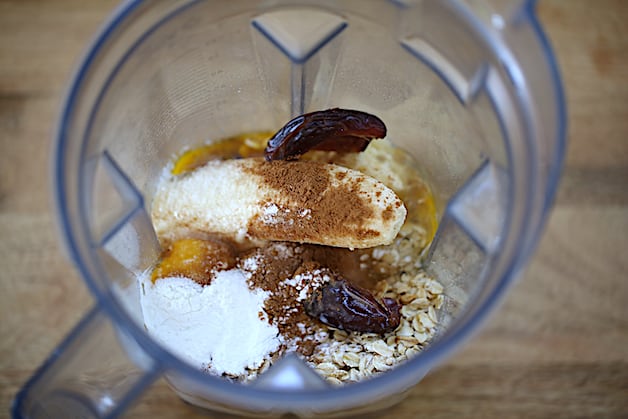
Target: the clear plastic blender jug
(469, 88)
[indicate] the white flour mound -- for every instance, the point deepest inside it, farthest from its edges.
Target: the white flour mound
(221, 327)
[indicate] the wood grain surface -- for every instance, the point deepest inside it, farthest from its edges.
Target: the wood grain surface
(558, 345)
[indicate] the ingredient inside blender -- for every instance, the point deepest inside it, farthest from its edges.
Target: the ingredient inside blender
(288, 244)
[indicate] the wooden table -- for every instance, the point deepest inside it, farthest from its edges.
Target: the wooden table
(558, 345)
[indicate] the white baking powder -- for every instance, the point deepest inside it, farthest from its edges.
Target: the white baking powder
(221, 327)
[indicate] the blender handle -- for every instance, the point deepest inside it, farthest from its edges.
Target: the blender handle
(94, 373)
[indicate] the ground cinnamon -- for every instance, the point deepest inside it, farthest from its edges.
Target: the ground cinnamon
(275, 268)
(312, 209)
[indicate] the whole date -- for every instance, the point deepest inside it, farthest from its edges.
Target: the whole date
(345, 306)
(341, 130)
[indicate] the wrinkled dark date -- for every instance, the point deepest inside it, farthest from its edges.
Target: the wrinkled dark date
(344, 306)
(335, 129)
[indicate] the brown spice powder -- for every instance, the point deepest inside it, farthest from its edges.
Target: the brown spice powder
(274, 264)
(279, 261)
(313, 208)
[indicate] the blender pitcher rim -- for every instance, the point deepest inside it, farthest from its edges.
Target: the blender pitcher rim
(167, 360)
(560, 106)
